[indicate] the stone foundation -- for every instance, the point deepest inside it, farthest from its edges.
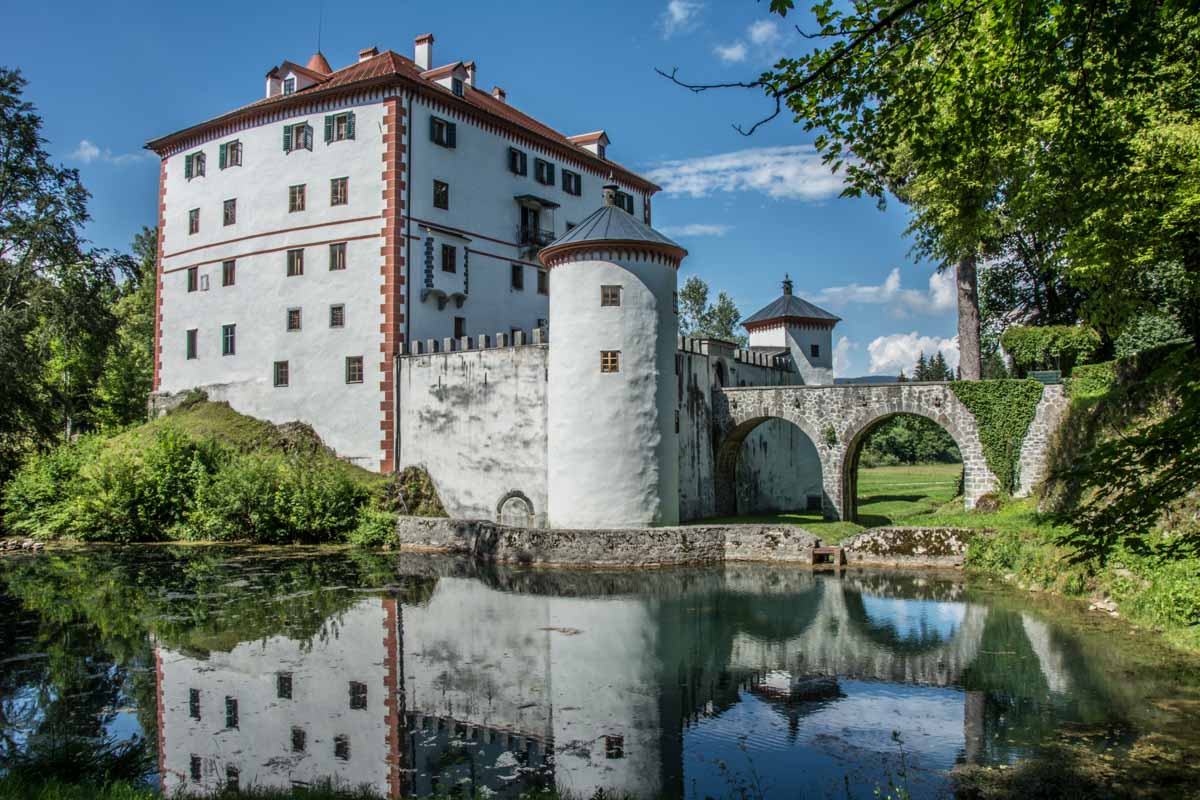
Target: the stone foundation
(659, 547)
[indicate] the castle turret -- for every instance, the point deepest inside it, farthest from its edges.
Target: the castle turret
(612, 449)
(792, 324)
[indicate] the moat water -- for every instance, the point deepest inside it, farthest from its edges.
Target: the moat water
(414, 675)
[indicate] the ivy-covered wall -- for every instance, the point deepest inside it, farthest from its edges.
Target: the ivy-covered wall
(1003, 411)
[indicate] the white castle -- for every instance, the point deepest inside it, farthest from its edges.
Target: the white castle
(385, 251)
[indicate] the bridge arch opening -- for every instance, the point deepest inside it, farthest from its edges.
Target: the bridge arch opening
(767, 465)
(913, 463)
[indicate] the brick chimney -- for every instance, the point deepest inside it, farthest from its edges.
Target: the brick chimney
(423, 52)
(470, 65)
(370, 52)
(499, 94)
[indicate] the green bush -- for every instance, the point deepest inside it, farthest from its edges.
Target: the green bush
(376, 527)
(34, 499)
(1003, 411)
(1146, 332)
(1058, 347)
(1092, 380)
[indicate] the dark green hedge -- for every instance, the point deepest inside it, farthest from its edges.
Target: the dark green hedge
(1003, 411)
(1058, 347)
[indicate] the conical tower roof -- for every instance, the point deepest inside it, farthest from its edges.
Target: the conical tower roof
(611, 224)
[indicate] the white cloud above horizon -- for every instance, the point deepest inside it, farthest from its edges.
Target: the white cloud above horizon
(899, 351)
(841, 356)
(793, 172)
(939, 296)
(88, 153)
(731, 53)
(679, 16)
(696, 229)
(764, 37)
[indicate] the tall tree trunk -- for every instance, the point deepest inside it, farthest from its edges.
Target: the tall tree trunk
(969, 357)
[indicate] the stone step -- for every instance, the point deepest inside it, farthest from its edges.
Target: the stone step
(832, 556)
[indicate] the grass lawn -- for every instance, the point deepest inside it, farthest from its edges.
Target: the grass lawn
(886, 496)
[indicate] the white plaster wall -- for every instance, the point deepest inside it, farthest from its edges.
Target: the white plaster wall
(261, 746)
(345, 415)
(486, 217)
(613, 454)
(816, 371)
(777, 470)
(476, 421)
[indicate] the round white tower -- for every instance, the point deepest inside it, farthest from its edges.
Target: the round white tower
(612, 449)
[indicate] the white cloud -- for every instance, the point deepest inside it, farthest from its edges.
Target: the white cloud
(900, 350)
(680, 16)
(841, 356)
(696, 229)
(792, 172)
(940, 296)
(87, 152)
(763, 32)
(731, 53)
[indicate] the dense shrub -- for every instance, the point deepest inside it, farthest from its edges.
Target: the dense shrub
(34, 500)
(375, 528)
(1058, 347)
(1091, 380)
(1147, 332)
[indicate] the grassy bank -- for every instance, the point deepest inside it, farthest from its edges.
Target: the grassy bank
(202, 473)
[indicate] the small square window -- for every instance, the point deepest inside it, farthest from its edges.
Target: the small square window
(610, 360)
(341, 747)
(194, 703)
(518, 277)
(289, 85)
(195, 767)
(232, 778)
(614, 746)
(193, 221)
(228, 273)
(296, 197)
(293, 319)
(354, 374)
(228, 340)
(610, 295)
(358, 695)
(230, 215)
(543, 282)
(449, 258)
(543, 172)
(337, 316)
(460, 327)
(299, 740)
(193, 279)
(441, 194)
(231, 712)
(295, 262)
(281, 373)
(283, 683)
(339, 191)
(337, 256)
(191, 343)
(814, 350)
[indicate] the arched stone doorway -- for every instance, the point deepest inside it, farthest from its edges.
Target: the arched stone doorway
(516, 510)
(768, 465)
(860, 431)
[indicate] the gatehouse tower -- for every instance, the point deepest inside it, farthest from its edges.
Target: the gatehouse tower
(612, 413)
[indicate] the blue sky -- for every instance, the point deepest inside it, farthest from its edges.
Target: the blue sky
(108, 77)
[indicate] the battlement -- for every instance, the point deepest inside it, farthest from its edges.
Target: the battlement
(688, 344)
(538, 337)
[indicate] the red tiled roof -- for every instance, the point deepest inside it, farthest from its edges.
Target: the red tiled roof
(318, 63)
(388, 67)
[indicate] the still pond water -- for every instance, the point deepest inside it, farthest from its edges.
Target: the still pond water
(418, 674)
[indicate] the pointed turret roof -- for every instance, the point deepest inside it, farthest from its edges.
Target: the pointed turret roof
(318, 63)
(788, 306)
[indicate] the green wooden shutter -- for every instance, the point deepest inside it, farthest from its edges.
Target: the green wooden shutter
(451, 136)
(187, 167)
(329, 128)
(287, 138)
(433, 129)
(308, 137)
(221, 159)
(350, 125)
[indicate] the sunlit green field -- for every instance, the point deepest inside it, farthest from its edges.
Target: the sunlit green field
(886, 496)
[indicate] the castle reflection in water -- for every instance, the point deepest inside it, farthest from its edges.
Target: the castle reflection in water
(654, 684)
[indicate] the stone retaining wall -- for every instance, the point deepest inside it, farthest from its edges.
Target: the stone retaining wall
(657, 547)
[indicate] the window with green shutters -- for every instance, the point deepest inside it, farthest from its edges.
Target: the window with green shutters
(543, 172)
(572, 182)
(229, 154)
(193, 165)
(442, 132)
(518, 162)
(339, 127)
(297, 137)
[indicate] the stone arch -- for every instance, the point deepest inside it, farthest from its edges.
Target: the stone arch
(515, 509)
(728, 451)
(976, 475)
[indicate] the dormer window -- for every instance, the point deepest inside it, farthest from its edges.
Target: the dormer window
(297, 137)
(289, 85)
(339, 127)
(456, 86)
(193, 165)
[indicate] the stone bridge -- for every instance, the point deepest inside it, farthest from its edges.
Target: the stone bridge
(838, 419)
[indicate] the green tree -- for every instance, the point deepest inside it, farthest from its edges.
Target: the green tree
(699, 318)
(125, 382)
(921, 369)
(938, 371)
